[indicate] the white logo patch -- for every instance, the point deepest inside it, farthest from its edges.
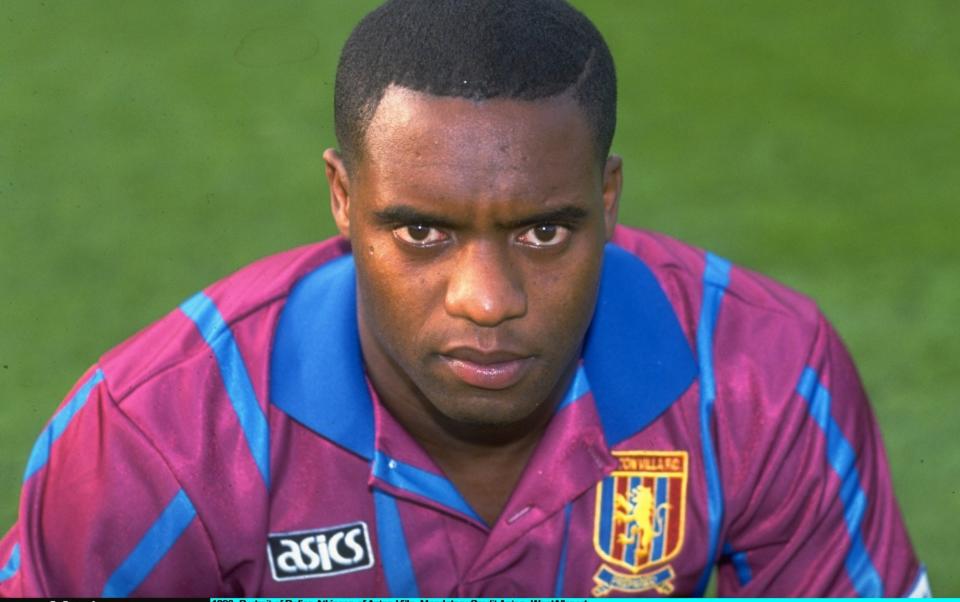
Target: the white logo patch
(319, 552)
(921, 589)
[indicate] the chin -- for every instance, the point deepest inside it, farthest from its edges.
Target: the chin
(483, 409)
(486, 412)
(489, 419)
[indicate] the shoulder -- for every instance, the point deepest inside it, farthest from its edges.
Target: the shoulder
(753, 338)
(244, 304)
(200, 376)
(749, 299)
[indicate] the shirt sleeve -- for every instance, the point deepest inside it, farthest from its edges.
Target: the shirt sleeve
(101, 514)
(818, 517)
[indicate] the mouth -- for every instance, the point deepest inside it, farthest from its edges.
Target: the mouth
(494, 370)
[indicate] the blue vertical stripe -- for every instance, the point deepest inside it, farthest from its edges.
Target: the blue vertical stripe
(154, 545)
(214, 330)
(716, 277)
(842, 458)
(661, 484)
(40, 453)
(740, 564)
(565, 543)
(630, 552)
(606, 516)
(394, 553)
(13, 564)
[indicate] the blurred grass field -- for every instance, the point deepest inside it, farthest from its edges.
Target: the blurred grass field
(149, 148)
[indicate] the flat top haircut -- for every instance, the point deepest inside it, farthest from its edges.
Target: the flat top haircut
(474, 49)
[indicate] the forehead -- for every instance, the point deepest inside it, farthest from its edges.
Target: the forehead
(496, 147)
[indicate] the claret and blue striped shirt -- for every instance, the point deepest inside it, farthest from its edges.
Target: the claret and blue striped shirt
(235, 447)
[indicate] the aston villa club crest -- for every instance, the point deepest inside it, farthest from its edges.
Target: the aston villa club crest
(639, 521)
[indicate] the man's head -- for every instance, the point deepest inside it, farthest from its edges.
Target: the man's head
(476, 49)
(475, 203)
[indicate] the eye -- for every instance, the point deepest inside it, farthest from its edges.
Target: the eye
(545, 235)
(419, 235)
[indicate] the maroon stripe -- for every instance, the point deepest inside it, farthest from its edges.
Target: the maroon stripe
(616, 550)
(674, 498)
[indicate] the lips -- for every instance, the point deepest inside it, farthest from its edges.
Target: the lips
(498, 369)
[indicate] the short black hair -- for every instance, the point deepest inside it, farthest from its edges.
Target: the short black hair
(475, 49)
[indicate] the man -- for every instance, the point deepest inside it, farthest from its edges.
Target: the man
(483, 388)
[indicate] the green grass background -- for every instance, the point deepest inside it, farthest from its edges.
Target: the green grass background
(148, 148)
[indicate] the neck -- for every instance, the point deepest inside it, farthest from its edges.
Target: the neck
(484, 461)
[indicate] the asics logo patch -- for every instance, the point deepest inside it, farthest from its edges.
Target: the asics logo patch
(319, 552)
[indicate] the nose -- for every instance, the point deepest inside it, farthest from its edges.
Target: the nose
(485, 287)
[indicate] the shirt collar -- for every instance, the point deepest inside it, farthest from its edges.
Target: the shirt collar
(636, 356)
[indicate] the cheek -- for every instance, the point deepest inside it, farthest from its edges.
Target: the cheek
(397, 299)
(562, 300)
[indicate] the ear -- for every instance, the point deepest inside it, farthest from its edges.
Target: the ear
(339, 181)
(612, 186)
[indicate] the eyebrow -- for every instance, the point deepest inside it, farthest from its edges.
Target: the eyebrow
(405, 214)
(568, 214)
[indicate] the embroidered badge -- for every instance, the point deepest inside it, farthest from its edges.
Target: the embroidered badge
(639, 521)
(319, 552)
